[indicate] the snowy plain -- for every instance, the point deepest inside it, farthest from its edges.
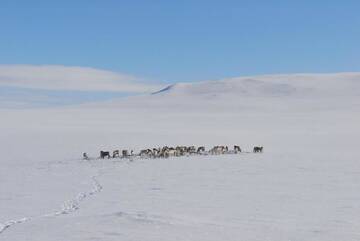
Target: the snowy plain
(305, 186)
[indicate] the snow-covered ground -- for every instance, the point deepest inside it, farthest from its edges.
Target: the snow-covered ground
(305, 186)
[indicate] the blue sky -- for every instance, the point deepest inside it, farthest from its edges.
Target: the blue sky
(189, 40)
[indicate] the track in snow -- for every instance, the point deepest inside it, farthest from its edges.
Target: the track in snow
(68, 206)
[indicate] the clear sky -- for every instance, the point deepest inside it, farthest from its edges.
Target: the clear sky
(71, 51)
(185, 40)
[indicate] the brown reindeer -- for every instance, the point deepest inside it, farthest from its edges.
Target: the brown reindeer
(237, 149)
(200, 149)
(104, 154)
(258, 149)
(125, 153)
(146, 153)
(217, 150)
(116, 153)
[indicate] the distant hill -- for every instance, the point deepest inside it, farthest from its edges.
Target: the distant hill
(270, 85)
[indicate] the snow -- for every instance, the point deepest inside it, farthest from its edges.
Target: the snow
(305, 186)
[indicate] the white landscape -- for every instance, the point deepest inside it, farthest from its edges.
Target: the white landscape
(304, 186)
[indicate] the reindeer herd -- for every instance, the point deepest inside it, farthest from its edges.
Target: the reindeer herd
(166, 152)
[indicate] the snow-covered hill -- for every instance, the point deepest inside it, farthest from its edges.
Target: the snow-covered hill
(271, 85)
(303, 187)
(240, 87)
(268, 93)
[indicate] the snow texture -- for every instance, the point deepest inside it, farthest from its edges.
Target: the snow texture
(304, 186)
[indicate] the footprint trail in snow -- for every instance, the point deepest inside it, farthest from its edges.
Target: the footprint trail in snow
(68, 207)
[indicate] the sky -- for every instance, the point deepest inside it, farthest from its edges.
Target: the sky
(162, 41)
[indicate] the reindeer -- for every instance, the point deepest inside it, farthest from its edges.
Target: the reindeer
(104, 154)
(85, 156)
(155, 152)
(116, 153)
(216, 150)
(258, 149)
(125, 153)
(181, 150)
(146, 153)
(200, 150)
(191, 149)
(237, 149)
(172, 152)
(164, 153)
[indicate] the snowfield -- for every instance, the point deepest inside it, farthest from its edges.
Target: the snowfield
(305, 186)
